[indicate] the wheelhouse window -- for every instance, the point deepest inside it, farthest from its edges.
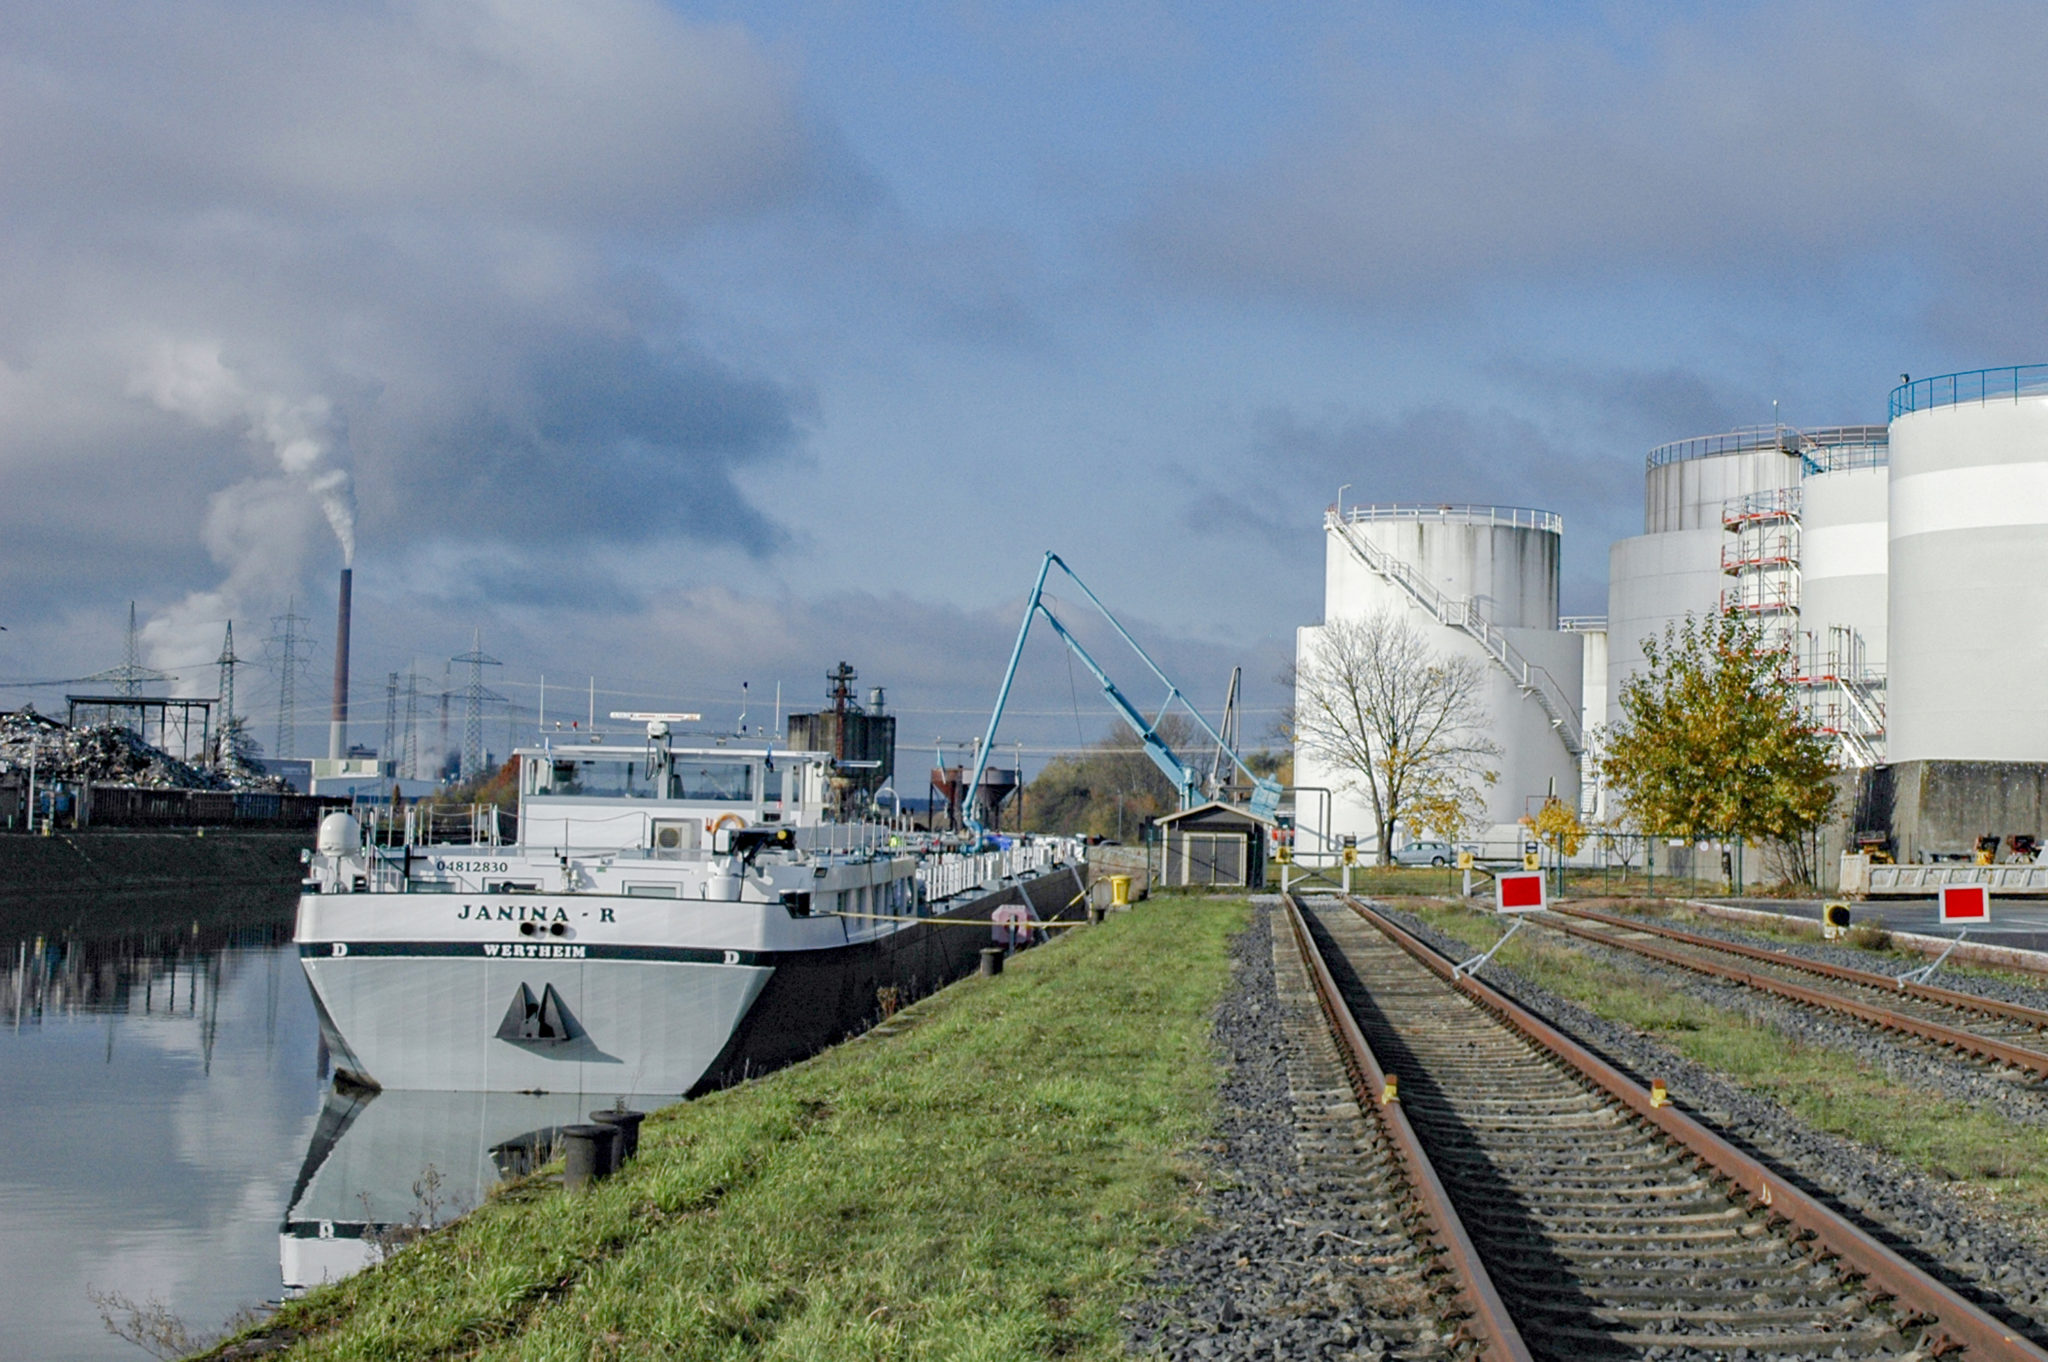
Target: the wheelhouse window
(712, 782)
(598, 779)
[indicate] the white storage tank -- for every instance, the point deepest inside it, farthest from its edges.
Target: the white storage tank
(1500, 564)
(1968, 541)
(1843, 554)
(1674, 566)
(1503, 559)
(1689, 481)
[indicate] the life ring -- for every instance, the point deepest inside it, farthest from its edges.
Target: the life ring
(724, 820)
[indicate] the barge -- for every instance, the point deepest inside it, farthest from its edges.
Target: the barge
(664, 919)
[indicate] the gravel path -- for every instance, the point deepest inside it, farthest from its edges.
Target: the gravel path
(1979, 1254)
(1305, 1255)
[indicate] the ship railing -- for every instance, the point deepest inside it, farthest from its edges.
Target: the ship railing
(437, 825)
(944, 876)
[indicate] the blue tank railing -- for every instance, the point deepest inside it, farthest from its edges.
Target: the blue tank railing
(1977, 385)
(1816, 448)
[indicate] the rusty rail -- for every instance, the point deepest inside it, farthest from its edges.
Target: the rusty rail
(1499, 1339)
(1989, 1047)
(1963, 1323)
(1990, 1007)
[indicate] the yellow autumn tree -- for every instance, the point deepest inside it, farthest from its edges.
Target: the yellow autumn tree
(1711, 744)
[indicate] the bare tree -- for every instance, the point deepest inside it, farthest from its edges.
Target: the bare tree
(1402, 724)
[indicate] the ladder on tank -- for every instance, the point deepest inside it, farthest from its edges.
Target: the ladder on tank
(1465, 615)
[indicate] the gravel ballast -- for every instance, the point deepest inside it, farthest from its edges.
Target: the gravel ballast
(1971, 1248)
(1306, 1254)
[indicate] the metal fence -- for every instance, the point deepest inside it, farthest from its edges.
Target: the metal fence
(122, 806)
(1511, 517)
(1976, 385)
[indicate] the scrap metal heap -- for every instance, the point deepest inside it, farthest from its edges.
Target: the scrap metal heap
(108, 754)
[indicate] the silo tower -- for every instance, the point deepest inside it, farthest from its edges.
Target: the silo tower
(1478, 582)
(1968, 645)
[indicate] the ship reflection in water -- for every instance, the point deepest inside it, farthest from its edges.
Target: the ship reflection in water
(385, 1165)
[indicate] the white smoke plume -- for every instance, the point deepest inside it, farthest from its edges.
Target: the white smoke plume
(258, 529)
(190, 379)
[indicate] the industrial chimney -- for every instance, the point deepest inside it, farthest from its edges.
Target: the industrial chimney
(337, 729)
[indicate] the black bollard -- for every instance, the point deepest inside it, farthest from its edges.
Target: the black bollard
(991, 961)
(587, 1155)
(628, 1124)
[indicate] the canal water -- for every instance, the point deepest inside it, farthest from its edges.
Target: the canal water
(158, 1089)
(170, 1135)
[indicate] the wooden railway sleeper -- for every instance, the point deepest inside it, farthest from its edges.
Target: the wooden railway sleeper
(1883, 1270)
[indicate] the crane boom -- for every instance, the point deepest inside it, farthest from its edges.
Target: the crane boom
(1265, 793)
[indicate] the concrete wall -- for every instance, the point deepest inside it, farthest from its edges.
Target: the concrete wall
(1941, 807)
(1944, 806)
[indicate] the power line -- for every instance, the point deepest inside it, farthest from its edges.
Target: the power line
(473, 716)
(410, 768)
(288, 641)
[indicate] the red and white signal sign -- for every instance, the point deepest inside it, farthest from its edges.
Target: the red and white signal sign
(1519, 891)
(1964, 903)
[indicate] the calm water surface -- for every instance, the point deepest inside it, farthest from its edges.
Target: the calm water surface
(157, 1093)
(170, 1135)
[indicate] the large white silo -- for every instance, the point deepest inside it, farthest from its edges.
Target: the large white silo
(1968, 547)
(1843, 560)
(1675, 566)
(1478, 582)
(1688, 482)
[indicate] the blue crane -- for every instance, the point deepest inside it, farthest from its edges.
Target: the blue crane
(1265, 793)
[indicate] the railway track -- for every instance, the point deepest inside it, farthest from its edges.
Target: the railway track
(1997, 1032)
(1583, 1218)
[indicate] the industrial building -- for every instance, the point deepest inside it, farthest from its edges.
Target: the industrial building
(860, 741)
(1478, 582)
(1894, 565)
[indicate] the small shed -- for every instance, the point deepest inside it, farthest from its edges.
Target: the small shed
(1214, 844)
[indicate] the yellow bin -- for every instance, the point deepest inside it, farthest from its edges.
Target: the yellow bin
(1119, 891)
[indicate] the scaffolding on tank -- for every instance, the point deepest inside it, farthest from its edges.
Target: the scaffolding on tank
(1840, 694)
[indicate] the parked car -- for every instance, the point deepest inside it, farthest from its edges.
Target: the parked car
(1424, 853)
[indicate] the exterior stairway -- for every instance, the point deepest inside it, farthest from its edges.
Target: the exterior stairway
(1465, 615)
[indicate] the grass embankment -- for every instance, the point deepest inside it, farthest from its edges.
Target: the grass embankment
(1980, 1152)
(985, 1180)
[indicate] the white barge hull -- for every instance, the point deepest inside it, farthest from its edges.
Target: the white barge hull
(602, 995)
(419, 1019)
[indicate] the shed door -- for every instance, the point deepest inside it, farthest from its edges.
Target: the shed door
(1212, 858)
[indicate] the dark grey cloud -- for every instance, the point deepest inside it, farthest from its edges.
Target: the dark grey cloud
(1436, 454)
(1798, 145)
(1637, 409)
(440, 251)
(602, 436)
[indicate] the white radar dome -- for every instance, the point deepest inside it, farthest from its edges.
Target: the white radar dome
(340, 835)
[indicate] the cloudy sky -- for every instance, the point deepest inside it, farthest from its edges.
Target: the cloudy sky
(691, 344)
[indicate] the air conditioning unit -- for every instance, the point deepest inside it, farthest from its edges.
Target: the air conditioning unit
(674, 836)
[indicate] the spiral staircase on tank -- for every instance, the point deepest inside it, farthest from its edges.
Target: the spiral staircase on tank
(1464, 614)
